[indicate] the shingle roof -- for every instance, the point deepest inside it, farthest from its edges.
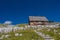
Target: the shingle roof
(37, 18)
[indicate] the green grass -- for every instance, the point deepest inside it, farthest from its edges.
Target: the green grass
(56, 36)
(27, 35)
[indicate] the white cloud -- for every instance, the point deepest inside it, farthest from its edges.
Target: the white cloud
(7, 22)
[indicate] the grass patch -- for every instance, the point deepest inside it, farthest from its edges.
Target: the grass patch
(56, 36)
(27, 35)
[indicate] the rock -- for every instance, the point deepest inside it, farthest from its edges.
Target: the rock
(48, 30)
(52, 39)
(6, 36)
(1, 37)
(16, 34)
(32, 39)
(59, 33)
(55, 30)
(38, 29)
(20, 34)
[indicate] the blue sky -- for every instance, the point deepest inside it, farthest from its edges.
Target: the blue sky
(18, 11)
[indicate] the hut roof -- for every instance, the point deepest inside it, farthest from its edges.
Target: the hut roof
(37, 18)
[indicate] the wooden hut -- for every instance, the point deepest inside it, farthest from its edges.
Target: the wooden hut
(38, 20)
